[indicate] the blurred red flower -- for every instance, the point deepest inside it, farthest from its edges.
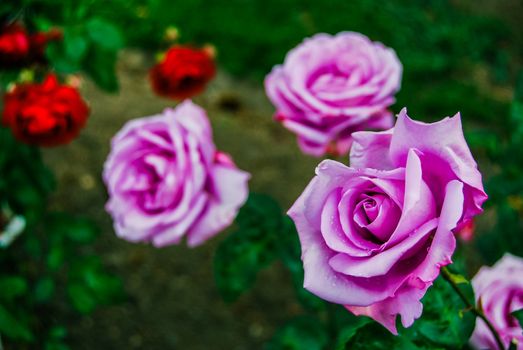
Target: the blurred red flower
(47, 114)
(183, 72)
(14, 45)
(466, 231)
(18, 47)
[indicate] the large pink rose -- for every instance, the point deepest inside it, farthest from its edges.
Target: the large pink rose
(331, 86)
(166, 180)
(375, 235)
(501, 291)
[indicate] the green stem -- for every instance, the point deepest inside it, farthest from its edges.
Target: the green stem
(479, 313)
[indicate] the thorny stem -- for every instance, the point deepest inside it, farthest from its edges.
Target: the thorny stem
(479, 313)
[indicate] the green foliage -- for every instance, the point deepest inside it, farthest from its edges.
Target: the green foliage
(506, 189)
(90, 47)
(36, 279)
(252, 247)
(302, 333)
(444, 324)
(12, 322)
(13, 327)
(91, 40)
(374, 337)
(47, 255)
(445, 321)
(56, 338)
(104, 34)
(349, 330)
(89, 285)
(44, 289)
(25, 181)
(12, 287)
(263, 235)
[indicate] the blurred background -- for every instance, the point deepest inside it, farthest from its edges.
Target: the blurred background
(458, 55)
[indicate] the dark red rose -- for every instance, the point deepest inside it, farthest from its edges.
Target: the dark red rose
(19, 48)
(47, 114)
(14, 45)
(183, 73)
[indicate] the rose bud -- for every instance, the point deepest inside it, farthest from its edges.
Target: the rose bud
(182, 73)
(46, 114)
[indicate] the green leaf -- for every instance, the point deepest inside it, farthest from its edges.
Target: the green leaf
(75, 46)
(303, 333)
(77, 229)
(89, 273)
(44, 289)
(56, 345)
(374, 336)
(100, 64)
(445, 321)
(82, 298)
(349, 330)
(241, 255)
(59, 60)
(260, 210)
(13, 327)
(58, 332)
(56, 256)
(104, 34)
(105, 286)
(12, 287)
(56, 338)
(238, 260)
(82, 231)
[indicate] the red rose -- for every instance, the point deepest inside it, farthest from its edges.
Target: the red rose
(183, 73)
(18, 48)
(46, 114)
(14, 45)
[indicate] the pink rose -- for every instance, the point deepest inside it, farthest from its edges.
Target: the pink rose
(331, 86)
(374, 235)
(501, 291)
(166, 179)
